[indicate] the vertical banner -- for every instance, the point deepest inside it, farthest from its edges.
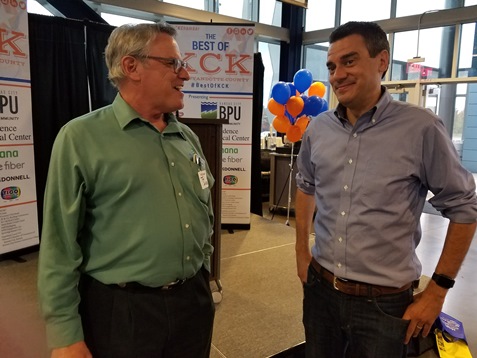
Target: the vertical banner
(18, 210)
(220, 58)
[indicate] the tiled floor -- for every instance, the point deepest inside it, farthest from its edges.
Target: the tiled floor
(260, 311)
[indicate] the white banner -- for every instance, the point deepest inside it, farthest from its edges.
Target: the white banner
(220, 59)
(18, 206)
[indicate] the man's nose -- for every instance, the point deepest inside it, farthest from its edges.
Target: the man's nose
(184, 74)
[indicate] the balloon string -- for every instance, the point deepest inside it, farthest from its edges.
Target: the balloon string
(290, 185)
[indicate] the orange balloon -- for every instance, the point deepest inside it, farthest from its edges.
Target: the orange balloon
(294, 133)
(281, 124)
(295, 105)
(317, 89)
(302, 122)
(276, 108)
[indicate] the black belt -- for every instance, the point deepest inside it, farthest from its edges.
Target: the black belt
(356, 288)
(136, 286)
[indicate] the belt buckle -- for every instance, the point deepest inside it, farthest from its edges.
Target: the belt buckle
(170, 285)
(335, 280)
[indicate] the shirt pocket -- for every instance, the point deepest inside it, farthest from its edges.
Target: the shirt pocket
(201, 181)
(385, 181)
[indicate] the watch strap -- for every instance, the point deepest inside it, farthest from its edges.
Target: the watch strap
(443, 280)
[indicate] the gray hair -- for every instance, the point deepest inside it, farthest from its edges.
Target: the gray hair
(131, 40)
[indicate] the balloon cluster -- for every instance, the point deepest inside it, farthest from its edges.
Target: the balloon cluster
(292, 107)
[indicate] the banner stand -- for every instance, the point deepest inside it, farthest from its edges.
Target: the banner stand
(18, 202)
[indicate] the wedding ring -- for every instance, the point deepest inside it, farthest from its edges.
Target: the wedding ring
(418, 327)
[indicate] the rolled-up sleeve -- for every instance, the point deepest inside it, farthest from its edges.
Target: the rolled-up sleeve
(305, 176)
(452, 185)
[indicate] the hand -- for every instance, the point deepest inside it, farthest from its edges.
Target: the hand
(76, 350)
(423, 312)
(303, 259)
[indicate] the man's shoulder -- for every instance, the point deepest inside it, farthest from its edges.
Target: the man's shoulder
(411, 111)
(95, 116)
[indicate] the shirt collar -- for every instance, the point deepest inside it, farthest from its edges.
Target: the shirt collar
(375, 112)
(125, 114)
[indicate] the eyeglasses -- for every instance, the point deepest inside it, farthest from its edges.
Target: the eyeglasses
(176, 63)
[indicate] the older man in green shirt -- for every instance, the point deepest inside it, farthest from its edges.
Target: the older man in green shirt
(125, 249)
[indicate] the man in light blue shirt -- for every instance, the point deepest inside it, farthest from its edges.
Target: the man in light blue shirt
(367, 167)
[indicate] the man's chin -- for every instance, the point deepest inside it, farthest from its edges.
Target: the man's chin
(343, 100)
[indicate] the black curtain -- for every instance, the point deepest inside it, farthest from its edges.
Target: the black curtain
(59, 85)
(62, 61)
(257, 112)
(102, 92)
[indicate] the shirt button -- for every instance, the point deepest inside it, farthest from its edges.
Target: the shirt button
(186, 226)
(188, 258)
(355, 135)
(350, 161)
(172, 164)
(179, 193)
(339, 265)
(345, 187)
(343, 213)
(340, 239)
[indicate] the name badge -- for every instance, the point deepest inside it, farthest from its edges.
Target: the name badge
(204, 183)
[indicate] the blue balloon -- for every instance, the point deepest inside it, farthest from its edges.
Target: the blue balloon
(281, 92)
(290, 117)
(325, 106)
(304, 97)
(313, 105)
(302, 80)
(292, 89)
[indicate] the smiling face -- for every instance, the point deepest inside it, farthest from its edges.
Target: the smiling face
(160, 85)
(354, 75)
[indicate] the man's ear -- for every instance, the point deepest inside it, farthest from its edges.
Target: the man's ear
(130, 67)
(383, 61)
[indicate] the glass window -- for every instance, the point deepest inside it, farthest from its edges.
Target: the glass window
(459, 119)
(413, 7)
(34, 7)
(435, 47)
(236, 8)
(118, 20)
(470, 2)
(365, 10)
(270, 12)
(320, 15)
(199, 5)
(467, 52)
(315, 61)
(271, 61)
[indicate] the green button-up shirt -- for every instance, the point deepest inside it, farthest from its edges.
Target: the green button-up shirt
(123, 202)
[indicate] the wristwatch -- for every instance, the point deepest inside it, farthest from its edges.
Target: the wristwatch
(443, 280)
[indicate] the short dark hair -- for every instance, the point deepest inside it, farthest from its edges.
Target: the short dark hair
(374, 36)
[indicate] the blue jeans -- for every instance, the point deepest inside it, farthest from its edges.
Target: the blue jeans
(344, 326)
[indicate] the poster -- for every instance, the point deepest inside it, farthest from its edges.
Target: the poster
(18, 206)
(220, 59)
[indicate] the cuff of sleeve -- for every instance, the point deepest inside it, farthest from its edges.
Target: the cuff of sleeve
(62, 334)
